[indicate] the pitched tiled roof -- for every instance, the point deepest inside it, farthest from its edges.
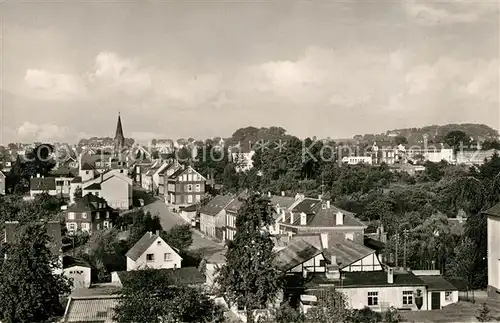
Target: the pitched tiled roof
(437, 283)
(77, 179)
(493, 211)
(87, 166)
(89, 202)
(282, 201)
(177, 173)
(320, 215)
(43, 184)
(142, 245)
(306, 206)
(94, 186)
(237, 203)
(53, 231)
(69, 261)
(178, 276)
(91, 309)
(357, 279)
(346, 251)
(295, 254)
(216, 205)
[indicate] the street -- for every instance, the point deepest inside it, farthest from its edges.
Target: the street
(211, 250)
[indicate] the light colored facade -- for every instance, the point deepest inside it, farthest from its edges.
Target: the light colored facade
(114, 186)
(2, 183)
(493, 252)
(354, 160)
(80, 276)
(213, 217)
(151, 251)
(386, 296)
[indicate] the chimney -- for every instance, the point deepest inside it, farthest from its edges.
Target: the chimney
(390, 275)
(291, 217)
(158, 232)
(282, 193)
(324, 240)
(102, 178)
(333, 259)
(328, 204)
(290, 236)
(320, 197)
(269, 194)
(304, 273)
(339, 218)
(150, 234)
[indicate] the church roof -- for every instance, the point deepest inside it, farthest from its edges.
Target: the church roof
(119, 129)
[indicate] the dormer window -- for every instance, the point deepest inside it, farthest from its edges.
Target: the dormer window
(324, 206)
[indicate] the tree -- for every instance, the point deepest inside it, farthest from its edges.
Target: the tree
(78, 193)
(179, 236)
(150, 296)
(484, 314)
(140, 222)
(457, 139)
(284, 314)
(400, 140)
(29, 290)
(331, 308)
(250, 276)
(461, 266)
(393, 316)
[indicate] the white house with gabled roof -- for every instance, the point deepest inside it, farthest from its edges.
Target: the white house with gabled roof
(151, 251)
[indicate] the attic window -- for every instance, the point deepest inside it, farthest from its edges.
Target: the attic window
(159, 242)
(324, 206)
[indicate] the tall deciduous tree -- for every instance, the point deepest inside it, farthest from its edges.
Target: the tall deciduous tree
(150, 297)
(179, 236)
(29, 290)
(461, 266)
(331, 308)
(457, 139)
(250, 276)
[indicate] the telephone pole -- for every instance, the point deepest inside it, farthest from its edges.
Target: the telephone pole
(405, 234)
(397, 242)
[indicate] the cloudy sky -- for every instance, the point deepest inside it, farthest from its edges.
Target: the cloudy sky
(202, 69)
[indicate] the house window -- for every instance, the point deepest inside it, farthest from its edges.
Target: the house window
(86, 172)
(105, 224)
(407, 297)
(150, 257)
(97, 216)
(71, 216)
(71, 226)
(107, 214)
(322, 263)
(189, 188)
(447, 296)
(372, 298)
(349, 236)
(167, 256)
(190, 198)
(198, 187)
(84, 215)
(86, 227)
(98, 226)
(198, 198)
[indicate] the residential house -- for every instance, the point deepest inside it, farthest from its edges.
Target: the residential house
(493, 234)
(242, 156)
(185, 276)
(156, 177)
(474, 157)
(89, 214)
(164, 174)
(185, 187)
(316, 215)
(231, 214)
(77, 271)
(63, 176)
(112, 185)
(282, 206)
(2, 183)
(213, 217)
(41, 184)
(12, 230)
(440, 292)
(138, 170)
(153, 252)
(94, 308)
(354, 160)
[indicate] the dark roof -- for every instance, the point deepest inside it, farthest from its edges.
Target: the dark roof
(177, 173)
(69, 261)
(494, 211)
(282, 201)
(142, 245)
(346, 251)
(2, 174)
(77, 179)
(89, 202)
(64, 171)
(216, 205)
(190, 208)
(87, 166)
(237, 203)
(368, 279)
(43, 184)
(119, 130)
(177, 276)
(320, 215)
(372, 243)
(94, 186)
(53, 231)
(91, 309)
(437, 283)
(295, 254)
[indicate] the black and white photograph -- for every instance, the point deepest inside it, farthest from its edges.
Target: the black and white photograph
(254, 161)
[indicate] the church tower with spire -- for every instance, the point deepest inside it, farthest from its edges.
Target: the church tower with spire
(119, 138)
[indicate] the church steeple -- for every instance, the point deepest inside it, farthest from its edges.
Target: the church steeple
(119, 138)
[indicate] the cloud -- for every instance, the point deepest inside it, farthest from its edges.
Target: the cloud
(432, 13)
(113, 72)
(52, 86)
(48, 133)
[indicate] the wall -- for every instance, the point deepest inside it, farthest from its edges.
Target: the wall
(116, 192)
(443, 301)
(158, 250)
(368, 263)
(357, 298)
(207, 224)
(312, 265)
(493, 252)
(51, 192)
(79, 275)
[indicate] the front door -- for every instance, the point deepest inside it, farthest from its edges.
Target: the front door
(436, 301)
